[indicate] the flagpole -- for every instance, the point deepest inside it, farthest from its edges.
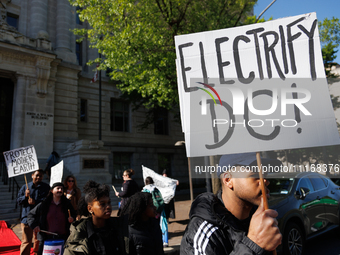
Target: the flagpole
(100, 102)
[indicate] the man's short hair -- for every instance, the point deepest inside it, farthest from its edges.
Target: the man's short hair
(39, 170)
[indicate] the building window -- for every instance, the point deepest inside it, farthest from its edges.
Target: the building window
(121, 162)
(78, 21)
(79, 53)
(119, 115)
(161, 122)
(164, 162)
(12, 20)
(108, 71)
(83, 110)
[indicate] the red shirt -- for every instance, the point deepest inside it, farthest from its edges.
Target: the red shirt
(56, 219)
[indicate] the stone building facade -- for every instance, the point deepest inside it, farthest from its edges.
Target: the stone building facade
(47, 99)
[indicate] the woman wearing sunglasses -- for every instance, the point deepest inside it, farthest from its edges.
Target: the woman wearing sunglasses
(71, 191)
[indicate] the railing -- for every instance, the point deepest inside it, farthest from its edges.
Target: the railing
(12, 183)
(3, 173)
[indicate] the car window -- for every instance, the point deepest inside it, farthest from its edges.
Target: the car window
(318, 183)
(325, 181)
(280, 186)
(305, 183)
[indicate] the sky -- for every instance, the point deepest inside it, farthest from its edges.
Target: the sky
(285, 8)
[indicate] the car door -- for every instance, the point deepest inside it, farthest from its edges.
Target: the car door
(330, 201)
(311, 206)
(319, 196)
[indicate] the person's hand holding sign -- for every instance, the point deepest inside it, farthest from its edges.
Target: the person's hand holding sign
(263, 229)
(31, 201)
(27, 192)
(36, 229)
(70, 218)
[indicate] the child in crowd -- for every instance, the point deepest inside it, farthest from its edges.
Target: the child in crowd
(145, 236)
(160, 206)
(99, 233)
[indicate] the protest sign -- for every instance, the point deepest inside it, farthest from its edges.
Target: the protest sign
(166, 185)
(21, 161)
(254, 88)
(57, 173)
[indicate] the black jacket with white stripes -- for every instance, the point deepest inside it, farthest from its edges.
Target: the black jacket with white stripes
(213, 230)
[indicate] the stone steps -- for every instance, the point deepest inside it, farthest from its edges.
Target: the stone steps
(8, 212)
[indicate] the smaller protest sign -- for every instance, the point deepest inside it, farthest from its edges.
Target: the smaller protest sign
(57, 173)
(166, 185)
(21, 161)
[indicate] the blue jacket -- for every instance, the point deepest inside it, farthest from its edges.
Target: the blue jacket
(37, 193)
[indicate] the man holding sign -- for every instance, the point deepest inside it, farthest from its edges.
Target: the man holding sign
(29, 196)
(52, 217)
(228, 223)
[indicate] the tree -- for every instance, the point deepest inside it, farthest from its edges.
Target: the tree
(136, 39)
(330, 40)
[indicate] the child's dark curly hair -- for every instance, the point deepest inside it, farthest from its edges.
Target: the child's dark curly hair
(136, 206)
(93, 191)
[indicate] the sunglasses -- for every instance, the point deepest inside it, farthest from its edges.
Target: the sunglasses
(70, 181)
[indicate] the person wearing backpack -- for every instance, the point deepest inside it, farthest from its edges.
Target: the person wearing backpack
(159, 204)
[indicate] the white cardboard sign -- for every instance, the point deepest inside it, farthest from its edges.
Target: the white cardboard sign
(57, 173)
(166, 185)
(21, 161)
(254, 88)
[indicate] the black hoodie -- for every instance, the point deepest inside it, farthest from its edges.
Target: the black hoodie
(214, 230)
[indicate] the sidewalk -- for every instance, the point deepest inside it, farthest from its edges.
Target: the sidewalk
(176, 226)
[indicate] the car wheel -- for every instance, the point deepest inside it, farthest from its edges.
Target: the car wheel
(293, 240)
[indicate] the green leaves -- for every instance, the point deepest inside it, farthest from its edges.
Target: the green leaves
(136, 39)
(329, 30)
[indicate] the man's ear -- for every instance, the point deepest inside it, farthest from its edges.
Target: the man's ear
(227, 180)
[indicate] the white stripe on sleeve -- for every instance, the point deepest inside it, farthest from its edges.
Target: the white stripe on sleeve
(202, 236)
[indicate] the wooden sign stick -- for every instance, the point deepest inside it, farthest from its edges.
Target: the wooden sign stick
(47, 232)
(263, 187)
(114, 189)
(26, 184)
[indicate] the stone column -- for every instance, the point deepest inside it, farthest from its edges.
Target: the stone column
(38, 17)
(63, 33)
(18, 119)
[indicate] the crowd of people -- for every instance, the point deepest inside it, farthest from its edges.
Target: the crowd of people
(83, 219)
(233, 221)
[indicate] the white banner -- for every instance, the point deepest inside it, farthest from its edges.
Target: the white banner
(21, 161)
(57, 173)
(166, 185)
(254, 88)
